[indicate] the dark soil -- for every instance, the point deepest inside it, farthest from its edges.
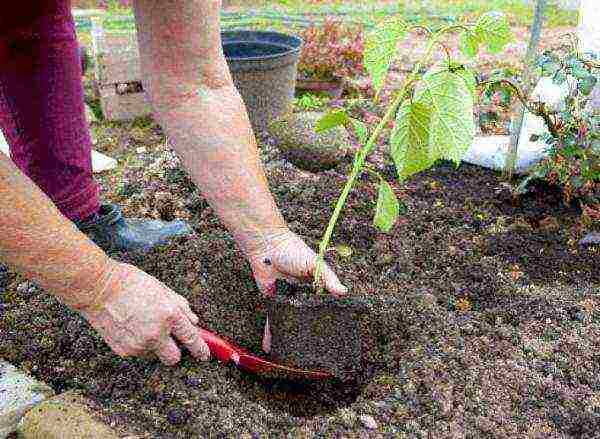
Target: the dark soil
(488, 317)
(316, 332)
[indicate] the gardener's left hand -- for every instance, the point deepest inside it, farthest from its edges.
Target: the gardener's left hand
(285, 256)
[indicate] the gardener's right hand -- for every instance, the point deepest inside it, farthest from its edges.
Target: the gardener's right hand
(137, 315)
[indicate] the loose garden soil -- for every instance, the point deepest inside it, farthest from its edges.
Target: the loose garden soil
(487, 326)
(486, 321)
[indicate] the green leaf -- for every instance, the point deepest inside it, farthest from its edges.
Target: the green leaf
(409, 142)
(549, 68)
(469, 43)
(559, 77)
(380, 49)
(587, 84)
(331, 120)
(388, 208)
(494, 31)
(361, 130)
(452, 125)
(469, 78)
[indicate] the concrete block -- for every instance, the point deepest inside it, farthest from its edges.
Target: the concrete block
(19, 393)
(66, 416)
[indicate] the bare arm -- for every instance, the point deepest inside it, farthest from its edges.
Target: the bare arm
(135, 313)
(44, 245)
(204, 116)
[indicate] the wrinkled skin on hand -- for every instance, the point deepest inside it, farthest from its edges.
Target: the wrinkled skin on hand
(204, 117)
(139, 316)
(286, 256)
(135, 313)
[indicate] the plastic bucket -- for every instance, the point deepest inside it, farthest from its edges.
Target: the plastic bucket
(263, 65)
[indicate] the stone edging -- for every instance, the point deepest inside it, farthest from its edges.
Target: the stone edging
(31, 409)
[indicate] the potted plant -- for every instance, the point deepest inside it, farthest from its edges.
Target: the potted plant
(331, 52)
(433, 119)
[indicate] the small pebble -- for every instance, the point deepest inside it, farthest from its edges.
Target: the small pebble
(177, 416)
(549, 224)
(27, 289)
(580, 316)
(193, 382)
(429, 299)
(348, 417)
(468, 329)
(369, 422)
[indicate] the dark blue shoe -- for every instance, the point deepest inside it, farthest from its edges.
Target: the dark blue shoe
(111, 231)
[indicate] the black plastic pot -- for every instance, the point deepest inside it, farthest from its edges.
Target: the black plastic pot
(264, 69)
(316, 332)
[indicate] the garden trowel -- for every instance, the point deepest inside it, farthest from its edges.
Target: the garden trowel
(225, 351)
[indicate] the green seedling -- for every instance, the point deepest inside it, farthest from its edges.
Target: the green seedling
(310, 102)
(432, 112)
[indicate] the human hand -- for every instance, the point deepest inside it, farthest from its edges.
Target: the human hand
(137, 315)
(285, 256)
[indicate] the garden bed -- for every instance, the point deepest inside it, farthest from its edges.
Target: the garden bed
(491, 323)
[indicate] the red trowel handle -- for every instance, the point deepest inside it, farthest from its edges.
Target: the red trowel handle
(219, 347)
(225, 352)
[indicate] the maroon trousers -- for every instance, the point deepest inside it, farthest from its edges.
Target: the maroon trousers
(42, 103)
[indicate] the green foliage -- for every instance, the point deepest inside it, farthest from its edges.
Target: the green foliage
(409, 143)
(332, 120)
(388, 208)
(449, 98)
(310, 102)
(361, 130)
(433, 113)
(494, 31)
(469, 43)
(491, 30)
(573, 135)
(380, 49)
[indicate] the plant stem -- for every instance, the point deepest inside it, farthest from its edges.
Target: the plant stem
(362, 154)
(536, 30)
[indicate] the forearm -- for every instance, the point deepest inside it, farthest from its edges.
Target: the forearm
(212, 135)
(203, 115)
(45, 246)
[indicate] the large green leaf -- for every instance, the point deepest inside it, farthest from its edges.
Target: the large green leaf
(388, 208)
(450, 99)
(410, 139)
(469, 43)
(331, 120)
(380, 49)
(493, 30)
(469, 78)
